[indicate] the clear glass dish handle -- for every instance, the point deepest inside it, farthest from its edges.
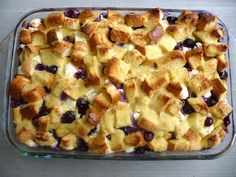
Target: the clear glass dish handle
(5, 65)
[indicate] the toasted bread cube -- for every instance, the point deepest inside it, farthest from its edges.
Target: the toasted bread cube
(113, 92)
(117, 141)
(222, 63)
(80, 49)
(53, 36)
(167, 122)
(188, 18)
(194, 139)
(82, 128)
(94, 115)
(63, 48)
(200, 84)
(117, 70)
(158, 144)
(56, 19)
(102, 100)
(178, 32)
(100, 37)
(29, 111)
(174, 106)
(33, 94)
(107, 122)
(114, 17)
(156, 33)
(123, 115)
(88, 15)
(199, 105)
(134, 58)
(135, 139)
(134, 20)
(209, 67)
(92, 64)
(205, 36)
(221, 109)
(72, 23)
(219, 87)
(167, 43)
(178, 145)
(121, 34)
(194, 57)
(152, 52)
(17, 85)
(196, 121)
(104, 53)
(69, 142)
(42, 77)
(90, 28)
(152, 17)
(175, 88)
(139, 37)
(38, 38)
(25, 131)
(212, 50)
(214, 138)
(98, 144)
(43, 123)
(181, 129)
(45, 139)
(27, 67)
(206, 22)
(180, 75)
(25, 36)
(171, 60)
(119, 51)
(131, 89)
(154, 80)
(148, 119)
(75, 88)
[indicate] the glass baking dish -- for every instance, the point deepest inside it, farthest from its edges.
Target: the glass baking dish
(9, 61)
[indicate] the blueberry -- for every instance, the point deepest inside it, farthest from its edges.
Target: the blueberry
(190, 43)
(148, 136)
(92, 131)
(120, 44)
(82, 106)
(43, 110)
(69, 39)
(130, 129)
(39, 67)
(82, 145)
(72, 12)
(223, 75)
(100, 17)
(210, 101)
(16, 103)
(187, 66)
(55, 136)
(63, 96)
(208, 122)
(47, 90)
(19, 51)
(52, 69)
(122, 95)
(171, 19)
(187, 109)
(80, 74)
(226, 121)
(140, 150)
(68, 117)
(108, 137)
(179, 46)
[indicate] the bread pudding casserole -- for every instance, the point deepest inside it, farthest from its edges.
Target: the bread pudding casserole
(111, 82)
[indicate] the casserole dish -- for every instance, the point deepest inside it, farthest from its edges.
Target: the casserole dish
(11, 66)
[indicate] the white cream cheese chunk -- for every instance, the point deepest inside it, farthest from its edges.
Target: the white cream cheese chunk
(206, 130)
(128, 47)
(70, 70)
(35, 22)
(184, 94)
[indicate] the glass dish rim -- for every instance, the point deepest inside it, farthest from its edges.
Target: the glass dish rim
(110, 156)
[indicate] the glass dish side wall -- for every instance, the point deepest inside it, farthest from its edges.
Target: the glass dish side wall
(11, 69)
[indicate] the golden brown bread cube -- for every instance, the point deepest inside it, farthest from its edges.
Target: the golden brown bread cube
(158, 144)
(38, 38)
(188, 18)
(107, 122)
(212, 50)
(219, 87)
(102, 100)
(17, 118)
(121, 34)
(45, 139)
(152, 17)
(134, 20)
(29, 111)
(135, 139)
(178, 32)
(98, 144)
(117, 141)
(123, 115)
(151, 52)
(134, 58)
(27, 67)
(174, 106)
(72, 23)
(155, 80)
(17, 85)
(25, 36)
(178, 145)
(156, 33)
(43, 123)
(195, 57)
(148, 119)
(209, 68)
(194, 139)
(82, 128)
(100, 37)
(113, 92)
(104, 53)
(94, 115)
(56, 18)
(25, 131)
(181, 129)
(63, 48)
(42, 77)
(90, 28)
(75, 88)
(116, 70)
(131, 89)
(167, 42)
(88, 15)
(139, 37)
(199, 105)
(206, 21)
(221, 109)
(69, 142)
(53, 36)
(175, 88)
(114, 17)
(200, 84)
(167, 122)
(222, 63)
(33, 94)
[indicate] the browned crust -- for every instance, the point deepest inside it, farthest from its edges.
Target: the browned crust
(218, 87)
(98, 144)
(94, 116)
(205, 20)
(134, 20)
(34, 94)
(28, 112)
(119, 36)
(175, 88)
(25, 36)
(56, 18)
(135, 139)
(88, 14)
(156, 33)
(52, 36)
(90, 28)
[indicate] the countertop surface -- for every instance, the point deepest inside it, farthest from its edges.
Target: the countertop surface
(13, 164)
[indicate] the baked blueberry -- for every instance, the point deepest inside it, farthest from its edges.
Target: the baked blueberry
(68, 117)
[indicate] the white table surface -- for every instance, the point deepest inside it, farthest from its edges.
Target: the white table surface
(14, 165)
